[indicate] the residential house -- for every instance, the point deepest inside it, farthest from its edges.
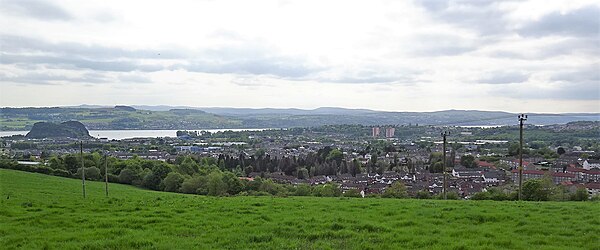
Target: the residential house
(593, 188)
(591, 163)
(527, 175)
(558, 177)
(593, 175)
(580, 173)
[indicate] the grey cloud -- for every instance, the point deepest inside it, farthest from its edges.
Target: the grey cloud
(566, 91)
(19, 44)
(433, 45)
(250, 81)
(583, 22)
(134, 79)
(249, 58)
(569, 46)
(481, 16)
(375, 76)
(254, 66)
(50, 79)
(503, 77)
(373, 79)
(586, 75)
(81, 63)
(39, 9)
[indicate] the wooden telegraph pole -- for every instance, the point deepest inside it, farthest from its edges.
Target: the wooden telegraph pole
(444, 134)
(82, 167)
(522, 118)
(106, 172)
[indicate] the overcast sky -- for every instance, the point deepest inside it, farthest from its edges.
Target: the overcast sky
(517, 56)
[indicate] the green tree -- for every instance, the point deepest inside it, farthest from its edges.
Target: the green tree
(92, 173)
(396, 190)
(194, 185)
(71, 163)
(468, 161)
(335, 155)
(153, 178)
(513, 149)
(187, 166)
(172, 183)
(537, 189)
(355, 168)
(302, 173)
(216, 185)
(127, 176)
(233, 183)
(436, 167)
(56, 163)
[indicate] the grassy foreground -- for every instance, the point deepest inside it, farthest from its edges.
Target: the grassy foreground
(48, 212)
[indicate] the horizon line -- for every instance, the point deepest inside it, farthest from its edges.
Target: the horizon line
(288, 108)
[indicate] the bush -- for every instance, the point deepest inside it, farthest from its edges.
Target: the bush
(89, 174)
(92, 173)
(423, 195)
(328, 190)
(397, 190)
(452, 196)
(303, 190)
(41, 169)
(127, 176)
(271, 187)
(191, 185)
(580, 195)
(491, 194)
(172, 183)
(260, 193)
(113, 178)
(8, 164)
(481, 196)
(449, 196)
(352, 193)
(61, 172)
(537, 190)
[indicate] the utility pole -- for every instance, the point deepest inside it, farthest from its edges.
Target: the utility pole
(444, 134)
(522, 118)
(106, 172)
(82, 167)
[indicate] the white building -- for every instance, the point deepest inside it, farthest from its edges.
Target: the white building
(591, 163)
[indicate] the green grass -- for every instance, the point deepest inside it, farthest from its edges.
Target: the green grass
(49, 212)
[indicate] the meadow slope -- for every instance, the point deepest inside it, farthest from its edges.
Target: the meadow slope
(39, 211)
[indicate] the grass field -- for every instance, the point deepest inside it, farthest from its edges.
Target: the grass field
(48, 212)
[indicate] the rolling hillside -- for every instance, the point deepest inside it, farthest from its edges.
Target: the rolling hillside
(156, 117)
(39, 211)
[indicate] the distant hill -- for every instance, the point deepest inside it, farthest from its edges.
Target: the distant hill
(192, 118)
(70, 129)
(114, 118)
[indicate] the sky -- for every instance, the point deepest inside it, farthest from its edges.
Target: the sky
(516, 56)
